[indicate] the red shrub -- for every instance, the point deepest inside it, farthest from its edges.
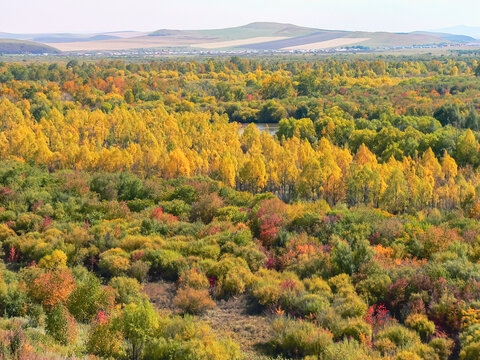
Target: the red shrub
(12, 256)
(45, 224)
(137, 255)
(268, 220)
(159, 215)
(377, 316)
(269, 229)
(288, 284)
(53, 287)
(102, 318)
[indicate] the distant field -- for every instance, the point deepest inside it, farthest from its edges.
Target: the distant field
(318, 36)
(235, 43)
(143, 42)
(384, 39)
(327, 44)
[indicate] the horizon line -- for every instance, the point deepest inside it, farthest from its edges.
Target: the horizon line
(93, 32)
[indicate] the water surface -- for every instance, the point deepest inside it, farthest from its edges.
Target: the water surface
(270, 127)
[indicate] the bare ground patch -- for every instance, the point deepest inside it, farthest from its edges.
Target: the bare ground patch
(161, 294)
(233, 318)
(236, 317)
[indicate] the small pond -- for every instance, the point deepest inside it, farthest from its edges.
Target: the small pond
(271, 128)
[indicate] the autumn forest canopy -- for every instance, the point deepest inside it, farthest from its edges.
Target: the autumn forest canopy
(144, 215)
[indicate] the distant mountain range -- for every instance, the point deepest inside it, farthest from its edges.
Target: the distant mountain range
(473, 31)
(260, 36)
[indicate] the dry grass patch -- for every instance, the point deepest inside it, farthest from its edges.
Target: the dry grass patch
(232, 318)
(142, 42)
(327, 44)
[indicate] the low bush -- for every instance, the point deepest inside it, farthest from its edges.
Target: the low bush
(420, 323)
(114, 262)
(398, 335)
(300, 338)
(194, 278)
(193, 301)
(167, 264)
(139, 270)
(443, 347)
(312, 304)
(127, 290)
(183, 338)
(104, 340)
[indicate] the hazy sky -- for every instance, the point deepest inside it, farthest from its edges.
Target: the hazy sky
(35, 16)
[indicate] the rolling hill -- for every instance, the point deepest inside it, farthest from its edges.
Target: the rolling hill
(253, 30)
(11, 46)
(258, 36)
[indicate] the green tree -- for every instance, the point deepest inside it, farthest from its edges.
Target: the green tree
(61, 325)
(288, 127)
(276, 87)
(450, 114)
(472, 121)
(129, 97)
(306, 84)
(127, 290)
(467, 149)
(477, 70)
(88, 298)
(137, 323)
(272, 112)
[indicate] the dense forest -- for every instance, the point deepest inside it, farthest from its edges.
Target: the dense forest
(139, 219)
